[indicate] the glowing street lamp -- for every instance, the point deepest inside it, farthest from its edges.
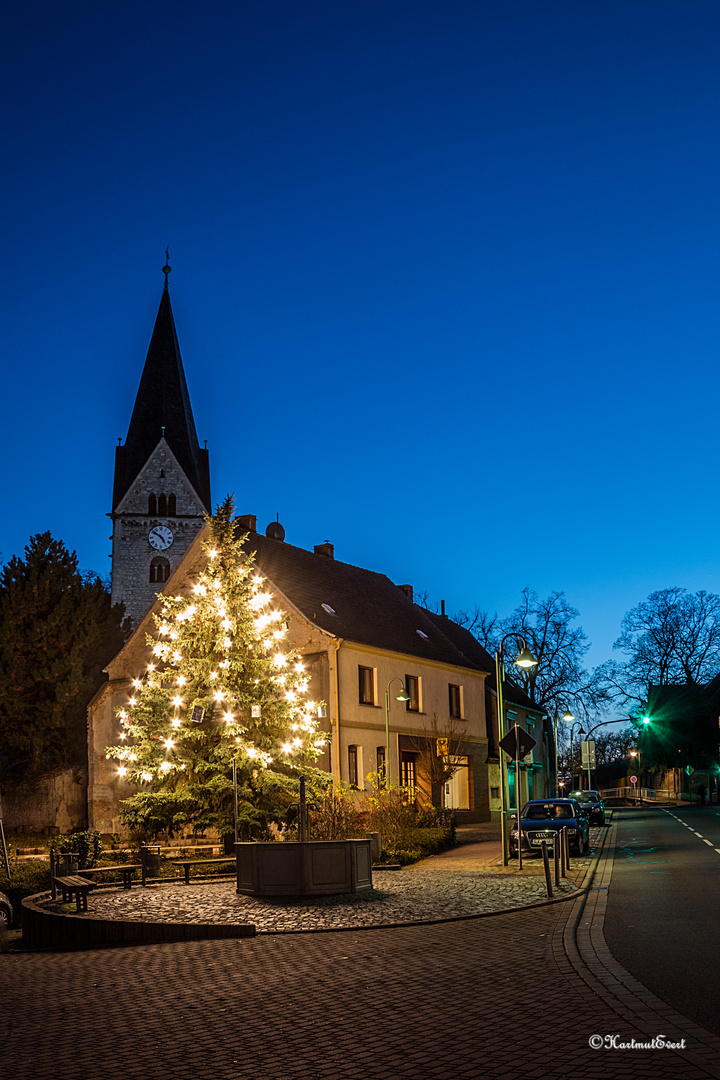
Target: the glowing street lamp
(568, 718)
(402, 695)
(526, 660)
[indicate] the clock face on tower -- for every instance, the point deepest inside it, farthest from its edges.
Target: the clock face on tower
(160, 537)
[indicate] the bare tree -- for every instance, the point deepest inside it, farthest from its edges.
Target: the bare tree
(440, 750)
(559, 681)
(610, 748)
(481, 625)
(671, 638)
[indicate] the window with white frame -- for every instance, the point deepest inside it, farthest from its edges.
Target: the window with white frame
(380, 759)
(455, 701)
(353, 766)
(366, 685)
(412, 686)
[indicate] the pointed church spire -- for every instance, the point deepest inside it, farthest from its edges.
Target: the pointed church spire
(162, 409)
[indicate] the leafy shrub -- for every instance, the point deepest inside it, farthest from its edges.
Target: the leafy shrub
(26, 878)
(337, 817)
(87, 845)
(408, 832)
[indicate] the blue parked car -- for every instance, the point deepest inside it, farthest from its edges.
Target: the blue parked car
(542, 819)
(592, 803)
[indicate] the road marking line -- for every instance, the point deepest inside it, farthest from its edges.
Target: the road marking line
(708, 842)
(718, 850)
(697, 833)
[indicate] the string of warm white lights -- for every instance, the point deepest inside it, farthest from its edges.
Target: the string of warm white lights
(221, 684)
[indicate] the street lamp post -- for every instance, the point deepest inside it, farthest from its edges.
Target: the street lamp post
(524, 659)
(402, 696)
(568, 718)
(604, 723)
(572, 756)
(636, 754)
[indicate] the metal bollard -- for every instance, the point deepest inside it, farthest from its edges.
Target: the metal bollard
(567, 848)
(556, 860)
(561, 842)
(546, 864)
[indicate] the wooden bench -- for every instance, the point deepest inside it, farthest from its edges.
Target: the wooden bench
(80, 886)
(126, 869)
(187, 863)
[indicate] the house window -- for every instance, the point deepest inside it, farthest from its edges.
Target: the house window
(535, 753)
(366, 685)
(412, 685)
(353, 771)
(380, 759)
(408, 773)
(152, 505)
(171, 506)
(162, 506)
(455, 701)
(159, 570)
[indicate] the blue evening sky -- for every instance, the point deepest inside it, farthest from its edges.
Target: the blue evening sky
(446, 278)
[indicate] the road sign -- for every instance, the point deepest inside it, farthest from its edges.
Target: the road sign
(517, 742)
(588, 754)
(689, 770)
(442, 747)
(633, 779)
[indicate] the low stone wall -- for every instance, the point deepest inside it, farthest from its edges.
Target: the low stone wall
(46, 929)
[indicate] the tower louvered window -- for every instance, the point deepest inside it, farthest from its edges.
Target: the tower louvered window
(159, 570)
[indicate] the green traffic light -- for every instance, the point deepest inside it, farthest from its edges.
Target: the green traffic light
(646, 719)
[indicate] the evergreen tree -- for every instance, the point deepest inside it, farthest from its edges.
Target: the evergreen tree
(57, 632)
(221, 686)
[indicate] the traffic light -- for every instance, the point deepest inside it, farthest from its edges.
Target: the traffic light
(646, 720)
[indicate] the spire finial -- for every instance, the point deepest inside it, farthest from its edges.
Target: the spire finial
(167, 268)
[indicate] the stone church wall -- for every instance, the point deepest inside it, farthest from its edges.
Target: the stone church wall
(58, 803)
(132, 551)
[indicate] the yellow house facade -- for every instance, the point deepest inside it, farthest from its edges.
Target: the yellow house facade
(364, 642)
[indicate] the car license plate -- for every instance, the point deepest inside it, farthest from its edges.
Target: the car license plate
(542, 840)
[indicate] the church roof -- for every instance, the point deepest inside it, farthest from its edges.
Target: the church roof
(162, 406)
(357, 605)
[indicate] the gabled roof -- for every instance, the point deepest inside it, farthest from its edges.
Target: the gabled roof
(355, 604)
(478, 655)
(162, 402)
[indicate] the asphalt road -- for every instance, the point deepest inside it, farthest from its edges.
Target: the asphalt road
(663, 913)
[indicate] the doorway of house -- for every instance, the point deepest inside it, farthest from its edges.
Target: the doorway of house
(457, 794)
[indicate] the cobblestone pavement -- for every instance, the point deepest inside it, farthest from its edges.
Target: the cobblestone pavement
(517, 996)
(469, 880)
(398, 897)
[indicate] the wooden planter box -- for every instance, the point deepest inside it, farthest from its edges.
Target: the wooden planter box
(309, 868)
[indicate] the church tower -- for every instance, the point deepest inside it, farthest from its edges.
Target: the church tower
(162, 477)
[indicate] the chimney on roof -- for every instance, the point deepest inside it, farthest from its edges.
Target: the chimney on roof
(327, 549)
(442, 607)
(247, 521)
(408, 590)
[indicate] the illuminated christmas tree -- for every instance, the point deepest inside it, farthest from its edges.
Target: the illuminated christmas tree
(221, 686)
